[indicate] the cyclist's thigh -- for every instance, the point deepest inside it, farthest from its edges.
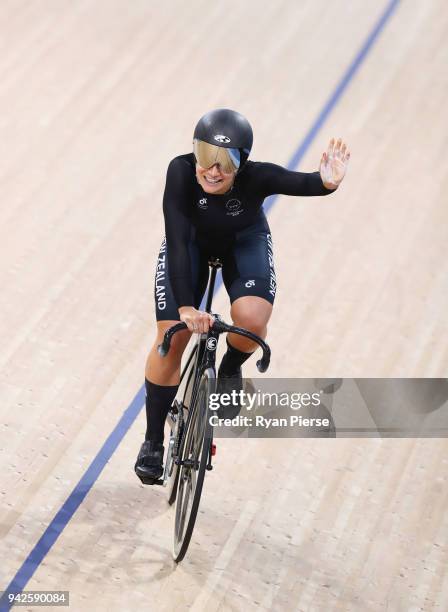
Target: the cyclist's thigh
(166, 306)
(248, 268)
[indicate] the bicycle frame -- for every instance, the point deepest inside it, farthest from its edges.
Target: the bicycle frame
(204, 349)
(201, 357)
(190, 449)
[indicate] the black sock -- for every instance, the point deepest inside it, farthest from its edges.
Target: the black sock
(232, 360)
(158, 401)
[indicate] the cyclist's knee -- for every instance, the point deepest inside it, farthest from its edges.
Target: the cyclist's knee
(165, 370)
(254, 324)
(178, 342)
(251, 314)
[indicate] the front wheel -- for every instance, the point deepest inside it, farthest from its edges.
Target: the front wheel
(177, 424)
(193, 461)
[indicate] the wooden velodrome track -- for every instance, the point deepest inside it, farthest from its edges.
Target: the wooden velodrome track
(95, 99)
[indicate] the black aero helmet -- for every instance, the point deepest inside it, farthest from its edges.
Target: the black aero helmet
(223, 137)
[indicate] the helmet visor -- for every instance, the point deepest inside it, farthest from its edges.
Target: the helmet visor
(207, 155)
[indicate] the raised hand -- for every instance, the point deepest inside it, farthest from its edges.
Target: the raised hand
(333, 164)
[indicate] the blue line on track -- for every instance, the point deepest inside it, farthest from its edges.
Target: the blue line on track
(78, 494)
(74, 500)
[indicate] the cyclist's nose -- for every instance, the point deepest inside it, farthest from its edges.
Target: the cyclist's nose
(215, 170)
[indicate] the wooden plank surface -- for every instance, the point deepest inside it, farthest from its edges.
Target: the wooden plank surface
(95, 99)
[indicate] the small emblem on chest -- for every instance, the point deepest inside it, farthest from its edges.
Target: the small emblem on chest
(234, 207)
(202, 204)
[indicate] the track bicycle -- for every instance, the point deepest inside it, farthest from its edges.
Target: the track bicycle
(190, 448)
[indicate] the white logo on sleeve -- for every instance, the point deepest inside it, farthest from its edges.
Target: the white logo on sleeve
(250, 283)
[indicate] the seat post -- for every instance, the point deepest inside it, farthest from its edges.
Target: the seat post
(214, 264)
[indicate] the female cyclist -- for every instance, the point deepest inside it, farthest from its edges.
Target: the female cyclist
(213, 206)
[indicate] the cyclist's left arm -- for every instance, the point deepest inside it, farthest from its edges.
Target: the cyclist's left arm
(276, 179)
(332, 169)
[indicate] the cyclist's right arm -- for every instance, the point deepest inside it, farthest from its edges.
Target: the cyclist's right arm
(176, 198)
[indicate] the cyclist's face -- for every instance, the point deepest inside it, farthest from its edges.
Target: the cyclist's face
(214, 180)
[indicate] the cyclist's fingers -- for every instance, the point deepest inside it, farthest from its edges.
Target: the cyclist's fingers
(197, 326)
(188, 322)
(193, 322)
(200, 323)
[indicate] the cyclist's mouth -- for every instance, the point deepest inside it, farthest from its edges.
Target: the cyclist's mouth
(211, 181)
